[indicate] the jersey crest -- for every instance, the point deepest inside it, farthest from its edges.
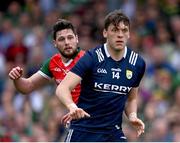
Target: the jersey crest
(129, 74)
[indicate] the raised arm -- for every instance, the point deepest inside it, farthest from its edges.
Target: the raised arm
(63, 92)
(131, 111)
(26, 85)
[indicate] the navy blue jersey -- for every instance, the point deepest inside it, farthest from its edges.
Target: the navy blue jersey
(105, 86)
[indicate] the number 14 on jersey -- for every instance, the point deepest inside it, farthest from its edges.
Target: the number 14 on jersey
(115, 75)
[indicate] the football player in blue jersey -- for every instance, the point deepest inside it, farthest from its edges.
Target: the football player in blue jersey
(110, 75)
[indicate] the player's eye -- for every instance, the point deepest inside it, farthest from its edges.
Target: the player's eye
(70, 37)
(61, 38)
(114, 30)
(124, 30)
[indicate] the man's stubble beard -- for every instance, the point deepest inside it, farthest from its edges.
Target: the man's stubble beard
(69, 56)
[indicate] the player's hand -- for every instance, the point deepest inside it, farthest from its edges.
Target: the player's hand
(66, 119)
(16, 73)
(138, 125)
(77, 113)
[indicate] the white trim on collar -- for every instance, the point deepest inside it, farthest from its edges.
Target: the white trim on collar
(68, 63)
(125, 52)
(107, 53)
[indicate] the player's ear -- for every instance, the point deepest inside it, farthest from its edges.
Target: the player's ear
(128, 34)
(105, 33)
(77, 40)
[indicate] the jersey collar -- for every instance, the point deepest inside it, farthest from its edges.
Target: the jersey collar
(70, 61)
(107, 53)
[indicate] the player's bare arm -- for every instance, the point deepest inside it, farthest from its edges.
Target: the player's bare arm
(131, 111)
(26, 85)
(64, 94)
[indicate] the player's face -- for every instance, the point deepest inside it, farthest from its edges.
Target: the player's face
(66, 43)
(117, 36)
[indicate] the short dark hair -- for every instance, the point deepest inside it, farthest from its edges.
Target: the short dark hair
(62, 24)
(115, 17)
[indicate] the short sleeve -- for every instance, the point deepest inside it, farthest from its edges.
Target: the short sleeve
(45, 68)
(140, 71)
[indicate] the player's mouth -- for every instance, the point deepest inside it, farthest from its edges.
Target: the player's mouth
(119, 42)
(68, 48)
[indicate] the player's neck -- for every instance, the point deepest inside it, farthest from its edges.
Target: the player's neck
(115, 54)
(65, 60)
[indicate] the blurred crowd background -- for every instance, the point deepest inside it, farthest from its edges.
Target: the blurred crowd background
(26, 40)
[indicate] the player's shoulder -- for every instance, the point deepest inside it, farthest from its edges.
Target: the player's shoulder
(80, 53)
(134, 58)
(97, 48)
(55, 56)
(78, 56)
(50, 59)
(97, 53)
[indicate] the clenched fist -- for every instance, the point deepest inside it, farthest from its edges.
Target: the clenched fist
(16, 73)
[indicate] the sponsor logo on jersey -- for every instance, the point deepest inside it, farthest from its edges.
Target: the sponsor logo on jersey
(129, 74)
(61, 70)
(117, 70)
(104, 87)
(57, 69)
(100, 70)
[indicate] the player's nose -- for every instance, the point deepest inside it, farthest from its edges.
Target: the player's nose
(66, 41)
(120, 34)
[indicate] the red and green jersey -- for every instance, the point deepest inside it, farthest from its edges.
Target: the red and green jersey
(55, 68)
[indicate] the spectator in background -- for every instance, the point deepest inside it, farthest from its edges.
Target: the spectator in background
(6, 37)
(17, 52)
(13, 13)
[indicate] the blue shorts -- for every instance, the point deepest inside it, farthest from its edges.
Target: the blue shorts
(83, 136)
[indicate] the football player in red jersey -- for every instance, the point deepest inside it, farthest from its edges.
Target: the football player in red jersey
(66, 41)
